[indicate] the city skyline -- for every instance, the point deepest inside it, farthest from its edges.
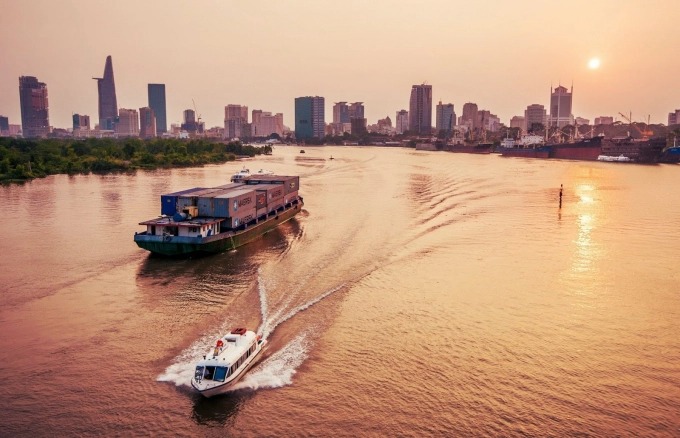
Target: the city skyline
(489, 58)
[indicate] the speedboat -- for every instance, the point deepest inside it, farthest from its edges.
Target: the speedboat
(227, 362)
(264, 172)
(240, 175)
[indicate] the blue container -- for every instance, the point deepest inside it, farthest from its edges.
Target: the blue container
(169, 201)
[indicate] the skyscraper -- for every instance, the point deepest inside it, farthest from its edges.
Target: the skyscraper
(402, 121)
(560, 107)
(108, 106)
(34, 107)
(469, 117)
(340, 112)
(309, 117)
(420, 111)
(534, 117)
(235, 118)
(446, 117)
(81, 122)
(147, 123)
(157, 104)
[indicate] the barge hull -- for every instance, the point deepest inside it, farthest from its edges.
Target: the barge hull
(177, 246)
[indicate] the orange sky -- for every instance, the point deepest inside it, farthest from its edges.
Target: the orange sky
(501, 55)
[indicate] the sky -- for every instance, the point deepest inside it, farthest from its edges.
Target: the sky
(502, 55)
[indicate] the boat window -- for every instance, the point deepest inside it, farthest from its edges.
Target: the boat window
(209, 373)
(199, 373)
(220, 374)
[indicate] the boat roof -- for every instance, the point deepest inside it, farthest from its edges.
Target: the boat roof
(233, 347)
(195, 222)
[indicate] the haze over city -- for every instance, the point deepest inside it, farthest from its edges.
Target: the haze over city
(620, 56)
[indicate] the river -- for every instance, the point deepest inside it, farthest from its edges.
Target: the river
(417, 294)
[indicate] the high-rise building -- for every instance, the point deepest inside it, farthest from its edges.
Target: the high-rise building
(309, 117)
(34, 107)
(157, 104)
(604, 120)
(535, 117)
(420, 111)
(128, 123)
(265, 124)
(518, 122)
(81, 122)
(402, 121)
(191, 124)
(235, 117)
(356, 110)
(340, 112)
(674, 118)
(488, 121)
(469, 117)
(358, 126)
(446, 117)
(108, 106)
(4, 125)
(147, 123)
(560, 107)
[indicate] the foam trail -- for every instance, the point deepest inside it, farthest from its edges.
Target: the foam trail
(297, 310)
(264, 307)
(181, 372)
(278, 369)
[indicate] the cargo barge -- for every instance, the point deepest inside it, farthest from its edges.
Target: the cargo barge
(636, 150)
(585, 149)
(203, 221)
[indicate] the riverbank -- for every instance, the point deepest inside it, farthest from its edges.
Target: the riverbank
(25, 159)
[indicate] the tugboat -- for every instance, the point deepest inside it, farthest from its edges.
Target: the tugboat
(227, 362)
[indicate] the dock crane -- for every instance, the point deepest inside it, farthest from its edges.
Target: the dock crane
(646, 133)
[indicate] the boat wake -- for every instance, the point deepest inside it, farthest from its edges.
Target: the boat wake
(274, 371)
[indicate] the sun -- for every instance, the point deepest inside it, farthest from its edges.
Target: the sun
(594, 64)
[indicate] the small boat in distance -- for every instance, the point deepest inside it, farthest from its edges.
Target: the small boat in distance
(240, 175)
(302, 151)
(227, 362)
(619, 159)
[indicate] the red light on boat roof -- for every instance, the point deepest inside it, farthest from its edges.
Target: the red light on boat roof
(239, 331)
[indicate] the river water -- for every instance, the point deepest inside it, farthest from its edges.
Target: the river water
(417, 294)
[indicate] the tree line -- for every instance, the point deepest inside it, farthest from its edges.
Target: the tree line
(24, 159)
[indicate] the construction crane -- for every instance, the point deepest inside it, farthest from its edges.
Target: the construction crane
(198, 117)
(646, 133)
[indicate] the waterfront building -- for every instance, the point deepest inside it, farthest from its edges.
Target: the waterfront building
(235, 117)
(604, 120)
(446, 118)
(487, 121)
(128, 123)
(518, 122)
(469, 117)
(356, 110)
(147, 123)
(108, 106)
(265, 124)
(340, 113)
(535, 117)
(191, 124)
(34, 107)
(309, 117)
(402, 121)
(420, 110)
(384, 126)
(358, 126)
(581, 121)
(674, 118)
(560, 107)
(157, 104)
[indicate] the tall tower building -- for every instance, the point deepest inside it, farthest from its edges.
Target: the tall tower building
(534, 117)
(309, 117)
(340, 112)
(81, 122)
(446, 117)
(402, 121)
(108, 106)
(34, 107)
(147, 123)
(469, 117)
(420, 110)
(560, 107)
(356, 110)
(235, 119)
(157, 104)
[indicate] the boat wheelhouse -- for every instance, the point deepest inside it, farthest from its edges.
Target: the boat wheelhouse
(227, 362)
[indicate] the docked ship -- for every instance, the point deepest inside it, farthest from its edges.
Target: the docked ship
(479, 148)
(582, 149)
(210, 220)
(639, 150)
(670, 154)
(529, 146)
(227, 362)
